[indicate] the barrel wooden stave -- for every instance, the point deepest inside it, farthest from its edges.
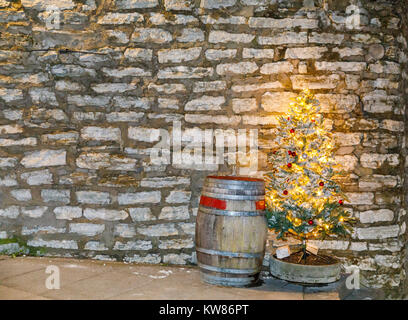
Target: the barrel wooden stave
(230, 248)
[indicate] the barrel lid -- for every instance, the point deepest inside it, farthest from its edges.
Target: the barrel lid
(236, 180)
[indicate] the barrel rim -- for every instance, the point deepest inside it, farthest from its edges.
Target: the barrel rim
(232, 186)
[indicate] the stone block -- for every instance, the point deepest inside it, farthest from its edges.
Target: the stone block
(10, 212)
(21, 194)
(277, 101)
(176, 244)
(183, 72)
(105, 214)
(174, 213)
(95, 246)
(56, 244)
(101, 133)
(218, 36)
(191, 35)
(284, 38)
(136, 4)
(205, 103)
(158, 230)
(93, 197)
(55, 195)
(141, 214)
(244, 105)
(139, 197)
(376, 160)
(216, 54)
(133, 245)
(33, 212)
(305, 53)
(217, 4)
(250, 53)
(67, 212)
(35, 178)
(178, 55)
(277, 67)
(372, 216)
(236, 68)
(116, 18)
(86, 229)
(44, 158)
(124, 230)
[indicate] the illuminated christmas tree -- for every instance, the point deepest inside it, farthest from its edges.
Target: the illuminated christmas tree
(302, 198)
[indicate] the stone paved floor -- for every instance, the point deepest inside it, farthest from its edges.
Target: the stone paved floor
(24, 278)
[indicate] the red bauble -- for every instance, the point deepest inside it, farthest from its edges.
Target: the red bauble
(289, 165)
(288, 118)
(290, 153)
(285, 192)
(292, 130)
(341, 202)
(310, 222)
(321, 184)
(294, 154)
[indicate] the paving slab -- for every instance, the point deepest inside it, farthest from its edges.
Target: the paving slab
(7, 293)
(13, 267)
(101, 286)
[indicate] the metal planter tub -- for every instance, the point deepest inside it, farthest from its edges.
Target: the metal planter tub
(304, 273)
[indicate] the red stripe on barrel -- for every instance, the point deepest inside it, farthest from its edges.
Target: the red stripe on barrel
(222, 204)
(213, 203)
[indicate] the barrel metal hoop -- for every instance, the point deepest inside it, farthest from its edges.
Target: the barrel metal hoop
(240, 192)
(232, 197)
(229, 254)
(227, 270)
(233, 187)
(232, 213)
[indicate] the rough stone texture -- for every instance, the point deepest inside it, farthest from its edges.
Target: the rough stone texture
(77, 128)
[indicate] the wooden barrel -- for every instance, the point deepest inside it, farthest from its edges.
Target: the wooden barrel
(231, 230)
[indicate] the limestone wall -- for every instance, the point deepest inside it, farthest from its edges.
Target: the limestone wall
(88, 87)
